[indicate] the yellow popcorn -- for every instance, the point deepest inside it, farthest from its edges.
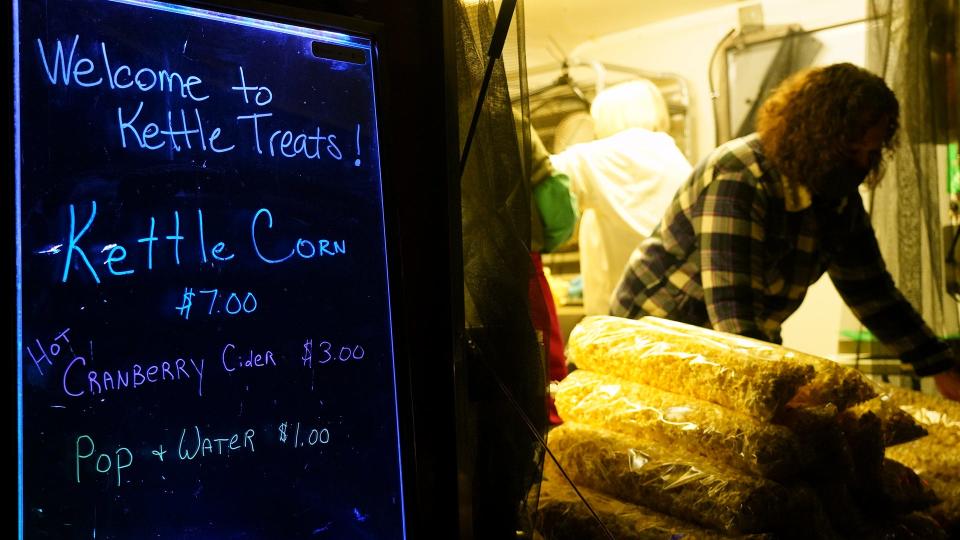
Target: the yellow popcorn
(928, 456)
(694, 426)
(561, 515)
(948, 511)
(818, 429)
(940, 416)
(896, 424)
(729, 371)
(686, 487)
(902, 489)
(863, 432)
(831, 382)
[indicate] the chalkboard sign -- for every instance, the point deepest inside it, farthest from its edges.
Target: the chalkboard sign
(205, 344)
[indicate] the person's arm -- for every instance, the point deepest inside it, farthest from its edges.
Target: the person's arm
(731, 236)
(860, 276)
(948, 383)
(557, 208)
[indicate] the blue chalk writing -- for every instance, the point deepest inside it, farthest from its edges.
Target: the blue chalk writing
(150, 131)
(307, 357)
(263, 96)
(185, 132)
(50, 250)
(61, 67)
(199, 446)
(117, 254)
(356, 162)
(302, 247)
(64, 67)
(106, 64)
(122, 459)
(72, 244)
(327, 352)
(232, 306)
(160, 452)
(176, 236)
(64, 70)
(149, 240)
(217, 249)
(314, 437)
(253, 234)
(179, 128)
(232, 362)
(66, 373)
(182, 233)
(130, 378)
(203, 248)
(318, 436)
(256, 127)
(53, 348)
(332, 147)
(186, 303)
(214, 135)
(213, 298)
(291, 145)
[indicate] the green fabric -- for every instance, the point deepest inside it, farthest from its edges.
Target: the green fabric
(557, 208)
(953, 169)
(858, 335)
(865, 335)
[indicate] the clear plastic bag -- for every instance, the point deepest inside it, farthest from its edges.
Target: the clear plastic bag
(896, 424)
(691, 425)
(840, 505)
(914, 526)
(940, 416)
(927, 456)
(902, 490)
(947, 513)
(684, 486)
(561, 515)
(819, 430)
(743, 375)
(831, 382)
(863, 431)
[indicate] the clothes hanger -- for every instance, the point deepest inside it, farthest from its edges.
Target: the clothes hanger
(564, 80)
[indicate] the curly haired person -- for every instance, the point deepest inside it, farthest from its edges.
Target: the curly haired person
(764, 216)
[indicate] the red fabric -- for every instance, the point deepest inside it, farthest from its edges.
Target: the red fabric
(543, 313)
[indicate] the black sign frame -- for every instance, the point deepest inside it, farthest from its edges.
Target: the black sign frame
(372, 31)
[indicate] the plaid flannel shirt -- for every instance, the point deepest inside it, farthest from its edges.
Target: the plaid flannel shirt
(739, 245)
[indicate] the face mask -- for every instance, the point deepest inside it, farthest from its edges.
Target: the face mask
(839, 182)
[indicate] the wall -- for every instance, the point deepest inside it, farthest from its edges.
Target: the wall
(684, 45)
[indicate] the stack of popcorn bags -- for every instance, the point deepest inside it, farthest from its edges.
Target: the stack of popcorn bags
(673, 431)
(935, 457)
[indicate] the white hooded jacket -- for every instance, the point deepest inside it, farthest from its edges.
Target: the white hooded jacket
(623, 184)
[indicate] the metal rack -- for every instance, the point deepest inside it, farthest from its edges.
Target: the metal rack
(551, 103)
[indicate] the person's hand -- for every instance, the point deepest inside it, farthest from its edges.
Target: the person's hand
(948, 383)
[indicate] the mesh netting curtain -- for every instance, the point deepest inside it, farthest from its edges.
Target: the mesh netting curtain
(502, 348)
(796, 51)
(914, 49)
